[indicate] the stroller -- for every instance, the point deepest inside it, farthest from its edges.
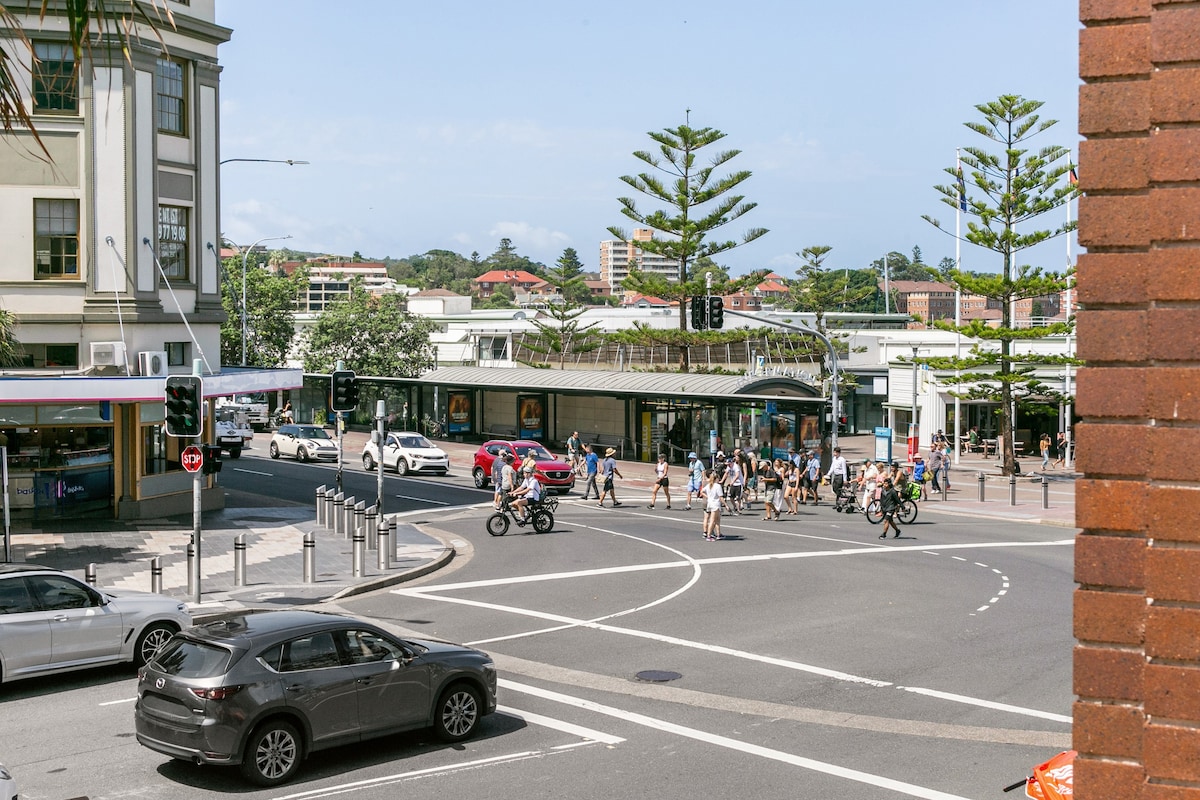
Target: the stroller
(846, 499)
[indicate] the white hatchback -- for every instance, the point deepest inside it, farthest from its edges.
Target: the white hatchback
(304, 442)
(407, 452)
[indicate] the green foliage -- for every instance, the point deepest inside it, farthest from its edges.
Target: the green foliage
(270, 304)
(374, 336)
(565, 335)
(11, 352)
(507, 258)
(502, 296)
(818, 291)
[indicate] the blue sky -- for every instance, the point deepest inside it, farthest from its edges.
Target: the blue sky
(453, 125)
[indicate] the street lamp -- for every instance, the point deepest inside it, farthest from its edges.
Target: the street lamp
(245, 255)
(290, 162)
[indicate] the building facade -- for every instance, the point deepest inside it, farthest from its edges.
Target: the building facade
(617, 254)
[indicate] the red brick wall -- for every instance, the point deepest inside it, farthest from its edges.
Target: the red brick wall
(1137, 562)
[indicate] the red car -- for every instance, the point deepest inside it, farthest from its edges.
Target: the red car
(554, 474)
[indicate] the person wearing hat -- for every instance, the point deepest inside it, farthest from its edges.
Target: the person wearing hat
(661, 481)
(920, 474)
(609, 469)
(508, 475)
(530, 491)
(695, 479)
(591, 466)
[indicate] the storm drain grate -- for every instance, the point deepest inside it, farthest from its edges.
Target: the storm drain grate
(657, 675)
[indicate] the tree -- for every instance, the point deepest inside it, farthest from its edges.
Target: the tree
(507, 259)
(689, 218)
(818, 291)
(271, 307)
(373, 335)
(1010, 190)
(567, 277)
(11, 351)
(502, 296)
(565, 334)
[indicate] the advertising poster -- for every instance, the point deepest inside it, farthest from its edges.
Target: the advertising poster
(459, 412)
(531, 416)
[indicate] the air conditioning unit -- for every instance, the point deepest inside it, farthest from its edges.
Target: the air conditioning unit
(108, 354)
(152, 364)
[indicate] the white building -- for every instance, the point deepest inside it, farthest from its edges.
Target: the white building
(616, 254)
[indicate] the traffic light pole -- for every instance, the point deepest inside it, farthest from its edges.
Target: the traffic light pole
(197, 489)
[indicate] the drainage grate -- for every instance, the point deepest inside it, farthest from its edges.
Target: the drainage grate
(657, 675)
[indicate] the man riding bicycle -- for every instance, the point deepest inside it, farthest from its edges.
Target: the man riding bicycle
(528, 493)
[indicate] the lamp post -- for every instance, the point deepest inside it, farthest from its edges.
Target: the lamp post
(289, 161)
(914, 404)
(245, 255)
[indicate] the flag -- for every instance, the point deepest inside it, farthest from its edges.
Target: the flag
(1072, 178)
(962, 191)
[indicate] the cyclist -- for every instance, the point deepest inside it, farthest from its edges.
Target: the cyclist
(530, 491)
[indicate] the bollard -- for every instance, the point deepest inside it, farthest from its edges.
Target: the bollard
(1045, 492)
(89, 574)
(348, 517)
(321, 505)
(372, 528)
(339, 519)
(982, 481)
(239, 560)
(329, 523)
(359, 553)
(384, 544)
(360, 518)
(191, 556)
(1012, 489)
(310, 557)
(156, 575)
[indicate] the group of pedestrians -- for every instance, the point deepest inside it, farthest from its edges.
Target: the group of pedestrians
(605, 470)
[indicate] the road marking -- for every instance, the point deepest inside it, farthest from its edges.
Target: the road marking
(560, 725)
(254, 472)
(717, 740)
(424, 500)
(118, 702)
(975, 701)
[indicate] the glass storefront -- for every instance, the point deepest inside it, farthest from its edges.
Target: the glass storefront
(60, 457)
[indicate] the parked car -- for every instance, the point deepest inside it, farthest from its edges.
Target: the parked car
(8, 785)
(305, 442)
(407, 452)
(555, 475)
(263, 690)
(232, 429)
(52, 622)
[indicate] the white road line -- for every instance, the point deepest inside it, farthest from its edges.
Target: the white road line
(424, 500)
(912, 790)
(254, 472)
(118, 702)
(560, 725)
(975, 701)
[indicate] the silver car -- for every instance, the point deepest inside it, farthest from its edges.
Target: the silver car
(265, 689)
(52, 622)
(305, 442)
(8, 786)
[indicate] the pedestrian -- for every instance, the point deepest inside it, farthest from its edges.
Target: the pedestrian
(944, 472)
(867, 481)
(921, 475)
(661, 481)
(508, 478)
(574, 452)
(609, 469)
(769, 479)
(695, 484)
(498, 481)
(1060, 447)
(735, 482)
(934, 466)
(749, 465)
(814, 475)
(714, 496)
(591, 464)
(889, 502)
(838, 473)
(1044, 446)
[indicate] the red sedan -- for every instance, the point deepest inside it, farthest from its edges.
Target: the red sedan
(554, 474)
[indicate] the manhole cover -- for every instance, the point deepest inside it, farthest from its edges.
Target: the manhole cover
(657, 675)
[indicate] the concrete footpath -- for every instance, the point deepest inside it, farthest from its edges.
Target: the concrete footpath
(122, 551)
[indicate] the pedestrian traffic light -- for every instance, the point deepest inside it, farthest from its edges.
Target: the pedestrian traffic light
(184, 395)
(212, 458)
(699, 313)
(345, 391)
(716, 312)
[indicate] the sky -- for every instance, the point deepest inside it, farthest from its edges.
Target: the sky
(454, 125)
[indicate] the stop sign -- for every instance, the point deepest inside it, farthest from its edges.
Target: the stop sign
(191, 458)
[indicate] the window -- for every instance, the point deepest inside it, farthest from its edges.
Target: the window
(56, 239)
(54, 87)
(177, 353)
(173, 241)
(168, 92)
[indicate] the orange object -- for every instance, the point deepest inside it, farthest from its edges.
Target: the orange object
(1053, 780)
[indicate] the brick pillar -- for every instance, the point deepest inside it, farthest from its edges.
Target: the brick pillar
(1137, 563)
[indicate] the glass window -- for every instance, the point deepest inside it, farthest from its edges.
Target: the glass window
(311, 652)
(168, 91)
(55, 593)
(173, 241)
(177, 353)
(184, 658)
(364, 647)
(14, 596)
(54, 87)
(56, 239)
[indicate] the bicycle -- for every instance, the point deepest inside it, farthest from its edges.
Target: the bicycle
(906, 513)
(540, 517)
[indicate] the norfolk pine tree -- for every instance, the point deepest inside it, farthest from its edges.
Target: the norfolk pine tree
(818, 290)
(686, 222)
(565, 335)
(1008, 190)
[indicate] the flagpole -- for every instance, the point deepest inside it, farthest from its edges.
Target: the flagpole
(962, 197)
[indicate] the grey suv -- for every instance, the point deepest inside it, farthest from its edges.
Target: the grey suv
(265, 689)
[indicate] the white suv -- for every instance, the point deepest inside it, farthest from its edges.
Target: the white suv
(407, 452)
(305, 442)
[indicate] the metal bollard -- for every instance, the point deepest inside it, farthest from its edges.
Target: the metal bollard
(239, 560)
(360, 518)
(339, 518)
(156, 575)
(89, 574)
(329, 523)
(371, 523)
(1012, 489)
(359, 553)
(982, 482)
(191, 556)
(348, 517)
(384, 544)
(1045, 492)
(310, 557)
(321, 505)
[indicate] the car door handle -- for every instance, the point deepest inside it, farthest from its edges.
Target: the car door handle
(60, 617)
(365, 681)
(295, 687)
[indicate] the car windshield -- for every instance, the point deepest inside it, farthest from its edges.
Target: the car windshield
(538, 452)
(415, 442)
(312, 432)
(185, 658)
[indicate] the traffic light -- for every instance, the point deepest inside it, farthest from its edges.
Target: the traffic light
(716, 312)
(699, 315)
(185, 393)
(345, 391)
(212, 458)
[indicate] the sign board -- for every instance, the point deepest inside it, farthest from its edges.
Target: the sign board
(191, 458)
(883, 445)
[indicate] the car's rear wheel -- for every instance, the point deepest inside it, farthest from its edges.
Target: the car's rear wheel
(481, 478)
(401, 465)
(154, 637)
(457, 714)
(235, 452)
(301, 454)
(368, 462)
(274, 449)
(272, 754)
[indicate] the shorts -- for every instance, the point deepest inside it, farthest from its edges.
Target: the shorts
(694, 486)
(663, 481)
(735, 492)
(777, 498)
(608, 484)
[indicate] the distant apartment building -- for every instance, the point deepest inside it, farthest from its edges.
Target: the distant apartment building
(928, 300)
(616, 255)
(329, 281)
(518, 280)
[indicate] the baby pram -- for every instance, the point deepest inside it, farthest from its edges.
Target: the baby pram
(846, 499)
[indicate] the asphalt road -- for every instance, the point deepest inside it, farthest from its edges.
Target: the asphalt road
(813, 660)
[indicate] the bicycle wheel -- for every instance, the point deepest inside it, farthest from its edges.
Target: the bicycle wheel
(874, 512)
(497, 524)
(907, 512)
(543, 521)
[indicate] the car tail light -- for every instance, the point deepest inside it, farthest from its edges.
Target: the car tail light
(217, 693)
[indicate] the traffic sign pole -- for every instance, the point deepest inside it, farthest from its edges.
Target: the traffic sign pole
(197, 488)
